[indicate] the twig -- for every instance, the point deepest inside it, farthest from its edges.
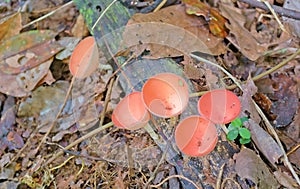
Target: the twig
(175, 176)
(293, 149)
(219, 180)
(57, 115)
(274, 14)
(107, 99)
(281, 64)
(157, 166)
(260, 113)
(270, 127)
(47, 15)
(281, 11)
(102, 14)
(161, 4)
(81, 139)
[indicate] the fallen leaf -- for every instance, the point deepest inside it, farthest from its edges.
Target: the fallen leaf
(24, 60)
(247, 44)
(171, 32)
(69, 44)
(284, 179)
(264, 142)
(285, 95)
(215, 20)
(10, 26)
(80, 29)
(80, 107)
(294, 24)
(249, 89)
(250, 166)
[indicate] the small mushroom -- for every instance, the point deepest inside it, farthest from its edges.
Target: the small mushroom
(130, 112)
(85, 58)
(165, 95)
(220, 106)
(196, 136)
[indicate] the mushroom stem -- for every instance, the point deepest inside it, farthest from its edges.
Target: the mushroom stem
(224, 128)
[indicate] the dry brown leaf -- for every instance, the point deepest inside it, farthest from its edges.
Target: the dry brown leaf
(249, 89)
(80, 29)
(250, 166)
(286, 180)
(264, 142)
(171, 32)
(247, 44)
(10, 26)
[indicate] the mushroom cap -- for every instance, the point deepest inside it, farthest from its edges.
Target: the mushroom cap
(196, 136)
(130, 112)
(220, 106)
(85, 58)
(165, 95)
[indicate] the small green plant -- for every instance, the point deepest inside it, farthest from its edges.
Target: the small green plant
(236, 128)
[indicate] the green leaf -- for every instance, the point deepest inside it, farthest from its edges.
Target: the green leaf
(232, 134)
(244, 119)
(237, 122)
(244, 133)
(245, 140)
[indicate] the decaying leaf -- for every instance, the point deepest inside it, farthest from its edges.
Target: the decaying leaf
(264, 142)
(171, 32)
(250, 166)
(9, 138)
(10, 26)
(285, 95)
(215, 20)
(286, 180)
(24, 60)
(45, 102)
(247, 44)
(249, 89)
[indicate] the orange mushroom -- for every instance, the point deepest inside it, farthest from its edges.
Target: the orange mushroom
(165, 95)
(219, 106)
(196, 136)
(85, 58)
(130, 112)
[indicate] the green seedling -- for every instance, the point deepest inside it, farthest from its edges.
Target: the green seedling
(236, 129)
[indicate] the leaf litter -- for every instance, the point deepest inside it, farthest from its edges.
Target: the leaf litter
(115, 157)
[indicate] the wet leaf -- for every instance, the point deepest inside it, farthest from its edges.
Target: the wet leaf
(250, 166)
(171, 32)
(10, 26)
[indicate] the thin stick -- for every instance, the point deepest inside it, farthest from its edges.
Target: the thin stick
(57, 115)
(219, 180)
(175, 176)
(47, 15)
(274, 14)
(280, 10)
(81, 139)
(161, 4)
(102, 14)
(268, 124)
(281, 64)
(107, 99)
